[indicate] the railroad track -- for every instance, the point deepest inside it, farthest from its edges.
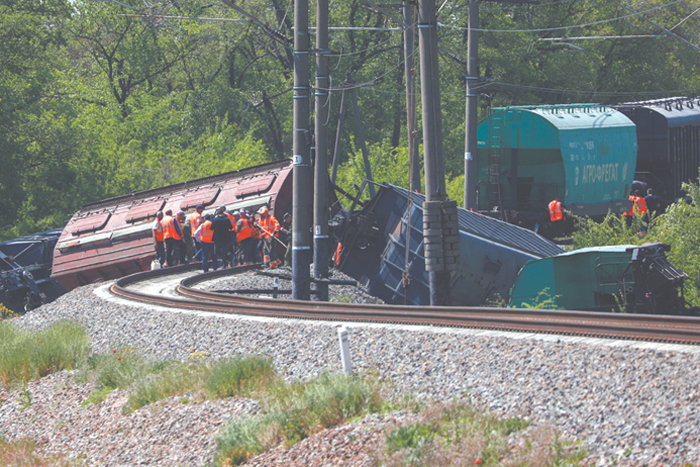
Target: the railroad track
(654, 328)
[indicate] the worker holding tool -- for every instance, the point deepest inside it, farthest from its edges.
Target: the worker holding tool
(269, 230)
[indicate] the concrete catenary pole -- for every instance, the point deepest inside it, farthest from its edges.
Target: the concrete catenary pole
(471, 124)
(432, 137)
(301, 198)
(411, 108)
(321, 164)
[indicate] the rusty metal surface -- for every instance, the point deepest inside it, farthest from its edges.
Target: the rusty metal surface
(112, 238)
(655, 328)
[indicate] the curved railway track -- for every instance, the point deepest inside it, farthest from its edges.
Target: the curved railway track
(654, 328)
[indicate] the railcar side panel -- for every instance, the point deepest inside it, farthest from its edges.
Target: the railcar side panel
(112, 238)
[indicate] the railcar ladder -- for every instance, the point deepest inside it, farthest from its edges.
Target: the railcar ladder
(495, 165)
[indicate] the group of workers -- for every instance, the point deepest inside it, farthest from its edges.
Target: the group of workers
(226, 238)
(641, 205)
(645, 204)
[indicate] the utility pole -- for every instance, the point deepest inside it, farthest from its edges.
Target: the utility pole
(411, 111)
(440, 227)
(471, 124)
(321, 164)
(301, 198)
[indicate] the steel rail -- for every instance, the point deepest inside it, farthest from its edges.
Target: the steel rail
(657, 328)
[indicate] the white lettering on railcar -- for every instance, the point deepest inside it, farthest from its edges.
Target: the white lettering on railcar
(600, 173)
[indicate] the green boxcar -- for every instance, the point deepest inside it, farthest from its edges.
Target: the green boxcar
(585, 155)
(586, 279)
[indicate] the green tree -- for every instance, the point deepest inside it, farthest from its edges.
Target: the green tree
(35, 136)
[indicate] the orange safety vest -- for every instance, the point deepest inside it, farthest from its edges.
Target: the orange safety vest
(642, 204)
(158, 229)
(555, 213)
(338, 252)
(207, 234)
(246, 230)
(169, 227)
(270, 226)
(637, 203)
(196, 220)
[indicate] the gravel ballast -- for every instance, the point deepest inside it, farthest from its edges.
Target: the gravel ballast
(628, 406)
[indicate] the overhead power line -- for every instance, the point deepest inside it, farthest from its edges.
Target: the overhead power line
(574, 26)
(675, 36)
(193, 18)
(583, 38)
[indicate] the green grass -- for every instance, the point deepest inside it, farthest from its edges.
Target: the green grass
(240, 377)
(295, 411)
(453, 434)
(149, 380)
(462, 434)
(26, 355)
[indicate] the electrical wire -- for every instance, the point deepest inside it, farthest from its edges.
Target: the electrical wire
(357, 52)
(603, 93)
(561, 28)
(289, 5)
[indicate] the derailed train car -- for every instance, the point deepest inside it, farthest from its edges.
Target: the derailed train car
(583, 154)
(383, 249)
(630, 278)
(25, 270)
(588, 156)
(668, 143)
(112, 238)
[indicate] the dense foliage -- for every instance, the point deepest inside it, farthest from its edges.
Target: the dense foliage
(95, 103)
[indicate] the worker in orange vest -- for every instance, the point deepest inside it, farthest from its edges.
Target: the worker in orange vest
(640, 204)
(269, 229)
(205, 236)
(244, 235)
(159, 238)
(556, 216)
(174, 244)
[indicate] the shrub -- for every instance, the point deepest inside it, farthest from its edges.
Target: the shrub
(612, 230)
(296, 411)
(543, 301)
(460, 434)
(240, 376)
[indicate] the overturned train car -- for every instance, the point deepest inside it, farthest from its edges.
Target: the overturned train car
(112, 238)
(25, 270)
(382, 248)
